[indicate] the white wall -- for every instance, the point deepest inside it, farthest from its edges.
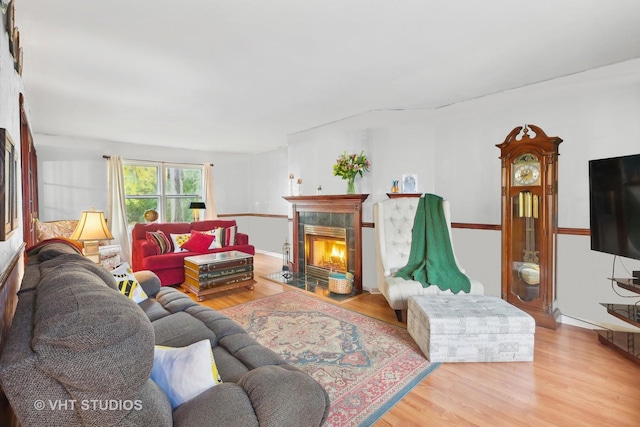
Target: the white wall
(73, 173)
(396, 143)
(595, 113)
(10, 88)
(451, 149)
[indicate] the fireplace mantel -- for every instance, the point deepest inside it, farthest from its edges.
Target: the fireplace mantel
(349, 204)
(327, 198)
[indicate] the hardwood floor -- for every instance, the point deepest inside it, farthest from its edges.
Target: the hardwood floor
(573, 381)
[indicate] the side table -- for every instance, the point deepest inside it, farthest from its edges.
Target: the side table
(110, 256)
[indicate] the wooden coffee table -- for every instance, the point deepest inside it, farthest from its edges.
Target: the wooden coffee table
(211, 273)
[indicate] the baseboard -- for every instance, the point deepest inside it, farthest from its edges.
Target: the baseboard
(587, 324)
(272, 254)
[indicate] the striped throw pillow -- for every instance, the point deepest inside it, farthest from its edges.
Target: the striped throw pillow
(160, 241)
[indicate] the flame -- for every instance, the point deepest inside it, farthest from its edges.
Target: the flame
(337, 253)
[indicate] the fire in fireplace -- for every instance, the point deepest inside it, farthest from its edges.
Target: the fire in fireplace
(325, 250)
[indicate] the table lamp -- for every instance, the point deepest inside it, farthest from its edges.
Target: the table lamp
(91, 228)
(196, 206)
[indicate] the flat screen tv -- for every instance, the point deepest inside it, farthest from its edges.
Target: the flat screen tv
(614, 205)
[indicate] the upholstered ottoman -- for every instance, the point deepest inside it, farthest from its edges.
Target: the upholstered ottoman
(470, 328)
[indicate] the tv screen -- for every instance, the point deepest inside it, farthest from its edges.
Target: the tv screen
(614, 205)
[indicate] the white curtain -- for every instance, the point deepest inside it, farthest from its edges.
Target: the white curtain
(117, 214)
(209, 194)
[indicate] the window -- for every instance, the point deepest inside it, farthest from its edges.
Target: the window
(164, 187)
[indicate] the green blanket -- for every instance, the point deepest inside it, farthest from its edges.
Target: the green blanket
(431, 260)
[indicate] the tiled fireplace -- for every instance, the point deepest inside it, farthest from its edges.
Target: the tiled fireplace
(327, 235)
(325, 249)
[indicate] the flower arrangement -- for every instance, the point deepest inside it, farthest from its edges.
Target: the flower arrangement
(348, 166)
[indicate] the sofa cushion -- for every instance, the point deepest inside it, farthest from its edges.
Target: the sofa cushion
(160, 241)
(53, 229)
(164, 261)
(230, 235)
(184, 372)
(199, 242)
(139, 230)
(180, 330)
(98, 345)
(228, 401)
(212, 224)
(149, 281)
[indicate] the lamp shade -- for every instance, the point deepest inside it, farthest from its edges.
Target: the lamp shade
(197, 205)
(91, 226)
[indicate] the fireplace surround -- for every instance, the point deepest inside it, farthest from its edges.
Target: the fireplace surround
(334, 220)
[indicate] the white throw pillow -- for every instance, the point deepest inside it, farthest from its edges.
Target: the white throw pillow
(184, 372)
(128, 284)
(179, 240)
(217, 238)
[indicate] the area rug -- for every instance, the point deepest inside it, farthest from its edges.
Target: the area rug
(366, 365)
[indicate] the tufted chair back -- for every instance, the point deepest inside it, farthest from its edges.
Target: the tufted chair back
(394, 225)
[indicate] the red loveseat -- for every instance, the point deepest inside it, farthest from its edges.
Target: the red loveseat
(170, 266)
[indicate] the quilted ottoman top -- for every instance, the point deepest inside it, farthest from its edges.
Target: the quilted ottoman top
(471, 314)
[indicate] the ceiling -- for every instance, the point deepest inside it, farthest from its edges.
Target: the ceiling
(241, 75)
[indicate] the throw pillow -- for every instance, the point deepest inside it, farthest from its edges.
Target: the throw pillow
(52, 229)
(127, 283)
(184, 372)
(217, 238)
(198, 242)
(160, 241)
(230, 235)
(179, 240)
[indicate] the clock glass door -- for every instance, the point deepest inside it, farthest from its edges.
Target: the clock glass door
(525, 245)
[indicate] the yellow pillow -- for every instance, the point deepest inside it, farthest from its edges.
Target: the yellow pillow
(179, 240)
(128, 284)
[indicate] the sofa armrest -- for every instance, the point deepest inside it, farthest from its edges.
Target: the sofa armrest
(149, 282)
(140, 250)
(265, 396)
(242, 239)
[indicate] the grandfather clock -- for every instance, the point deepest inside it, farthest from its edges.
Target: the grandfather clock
(530, 222)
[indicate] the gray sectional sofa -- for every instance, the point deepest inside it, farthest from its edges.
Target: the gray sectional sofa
(79, 353)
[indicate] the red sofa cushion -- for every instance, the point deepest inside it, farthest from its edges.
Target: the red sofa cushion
(198, 242)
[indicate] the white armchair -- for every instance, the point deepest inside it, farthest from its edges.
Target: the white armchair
(393, 227)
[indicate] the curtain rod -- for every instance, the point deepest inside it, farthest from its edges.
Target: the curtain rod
(140, 160)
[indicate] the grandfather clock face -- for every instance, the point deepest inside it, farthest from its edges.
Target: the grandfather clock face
(526, 200)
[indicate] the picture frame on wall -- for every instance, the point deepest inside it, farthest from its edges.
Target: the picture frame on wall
(8, 185)
(410, 183)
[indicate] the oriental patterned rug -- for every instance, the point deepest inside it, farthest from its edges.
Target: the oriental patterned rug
(366, 365)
